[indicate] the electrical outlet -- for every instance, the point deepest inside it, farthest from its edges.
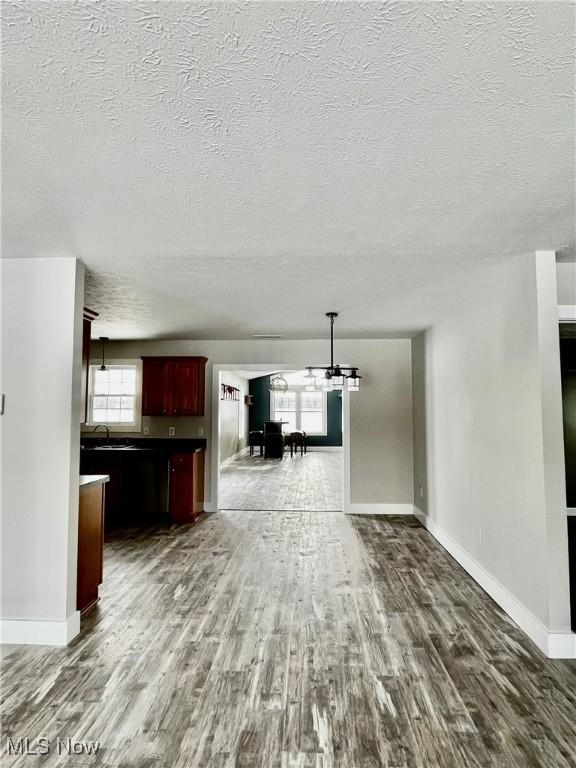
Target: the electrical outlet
(171, 431)
(421, 490)
(146, 430)
(200, 431)
(480, 533)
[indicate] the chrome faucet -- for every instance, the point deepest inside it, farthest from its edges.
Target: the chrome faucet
(106, 428)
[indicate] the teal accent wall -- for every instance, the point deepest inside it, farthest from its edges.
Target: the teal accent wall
(260, 412)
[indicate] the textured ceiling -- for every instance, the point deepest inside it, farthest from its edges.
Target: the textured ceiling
(225, 170)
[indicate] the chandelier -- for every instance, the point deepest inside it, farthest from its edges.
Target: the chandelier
(278, 384)
(333, 376)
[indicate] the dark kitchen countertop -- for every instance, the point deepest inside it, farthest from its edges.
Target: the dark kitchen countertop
(137, 444)
(86, 480)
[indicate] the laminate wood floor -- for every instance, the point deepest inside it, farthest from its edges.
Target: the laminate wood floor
(310, 482)
(293, 639)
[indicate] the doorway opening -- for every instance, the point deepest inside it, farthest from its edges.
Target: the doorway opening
(303, 466)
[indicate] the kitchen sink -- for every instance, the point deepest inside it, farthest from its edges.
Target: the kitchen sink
(113, 447)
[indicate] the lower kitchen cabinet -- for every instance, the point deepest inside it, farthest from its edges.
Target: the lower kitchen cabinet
(152, 481)
(90, 540)
(186, 486)
(137, 493)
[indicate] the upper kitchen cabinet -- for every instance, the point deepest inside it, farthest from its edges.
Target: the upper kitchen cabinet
(88, 316)
(189, 386)
(156, 386)
(173, 386)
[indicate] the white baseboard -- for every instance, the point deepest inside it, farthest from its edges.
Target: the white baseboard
(309, 449)
(379, 509)
(234, 456)
(26, 632)
(555, 645)
(560, 645)
(419, 515)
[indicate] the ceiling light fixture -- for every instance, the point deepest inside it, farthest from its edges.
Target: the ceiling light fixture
(333, 376)
(278, 384)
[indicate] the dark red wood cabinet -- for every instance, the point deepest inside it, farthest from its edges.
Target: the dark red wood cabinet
(186, 486)
(90, 545)
(87, 319)
(173, 386)
(156, 382)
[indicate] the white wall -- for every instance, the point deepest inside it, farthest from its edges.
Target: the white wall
(41, 367)
(233, 415)
(419, 421)
(566, 278)
(494, 438)
(380, 414)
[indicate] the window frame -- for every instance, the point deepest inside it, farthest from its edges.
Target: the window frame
(299, 391)
(117, 426)
(242, 417)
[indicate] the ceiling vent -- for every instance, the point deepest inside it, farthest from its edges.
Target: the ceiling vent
(267, 336)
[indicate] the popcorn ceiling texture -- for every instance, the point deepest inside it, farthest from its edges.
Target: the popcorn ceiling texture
(228, 169)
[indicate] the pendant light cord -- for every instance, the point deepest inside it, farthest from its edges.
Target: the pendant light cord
(103, 339)
(332, 342)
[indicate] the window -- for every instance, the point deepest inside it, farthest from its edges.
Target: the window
(312, 412)
(300, 410)
(285, 408)
(114, 396)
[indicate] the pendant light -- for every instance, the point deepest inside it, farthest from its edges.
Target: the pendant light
(278, 384)
(338, 378)
(353, 381)
(103, 339)
(334, 376)
(310, 379)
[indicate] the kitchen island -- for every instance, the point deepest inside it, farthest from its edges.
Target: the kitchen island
(90, 540)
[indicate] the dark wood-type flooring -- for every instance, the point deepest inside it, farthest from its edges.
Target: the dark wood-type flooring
(312, 482)
(293, 639)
